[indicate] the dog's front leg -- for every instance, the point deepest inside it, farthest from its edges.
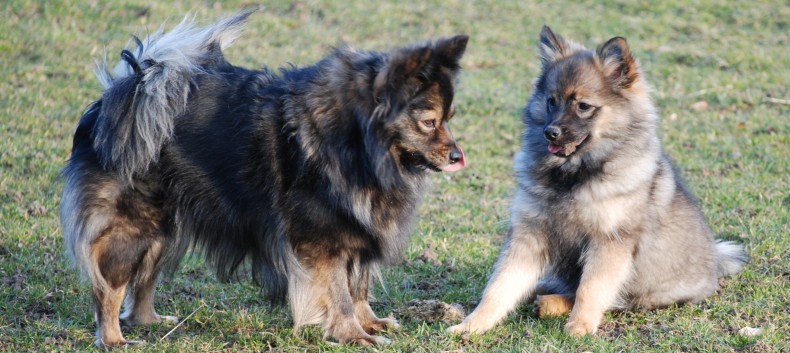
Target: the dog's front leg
(359, 285)
(341, 320)
(608, 264)
(521, 264)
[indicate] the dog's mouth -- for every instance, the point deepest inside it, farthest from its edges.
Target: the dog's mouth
(455, 164)
(457, 161)
(567, 149)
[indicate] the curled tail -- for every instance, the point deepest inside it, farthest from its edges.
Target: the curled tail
(730, 258)
(149, 89)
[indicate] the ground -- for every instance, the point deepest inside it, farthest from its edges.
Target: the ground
(721, 78)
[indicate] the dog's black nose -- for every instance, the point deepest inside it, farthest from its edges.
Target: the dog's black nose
(455, 156)
(552, 132)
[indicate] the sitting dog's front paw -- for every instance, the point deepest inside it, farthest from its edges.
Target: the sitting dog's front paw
(579, 328)
(458, 329)
(473, 324)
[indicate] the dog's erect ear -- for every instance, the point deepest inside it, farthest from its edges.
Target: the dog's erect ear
(617, 62)
(553, 47)
(403, 65)
(409, 63)
(450, 50)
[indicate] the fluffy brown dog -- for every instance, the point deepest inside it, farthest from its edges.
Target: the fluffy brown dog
(600, 220)
(312, 176)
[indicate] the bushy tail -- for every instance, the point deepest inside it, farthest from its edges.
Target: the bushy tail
(730, 258)
(149, 89)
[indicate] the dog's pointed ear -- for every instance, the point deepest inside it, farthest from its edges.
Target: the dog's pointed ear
(617, 62)
(402, 66)
(554, 47)
(450, 50)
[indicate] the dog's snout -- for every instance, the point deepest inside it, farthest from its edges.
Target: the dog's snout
(455, 155)
(552, 132)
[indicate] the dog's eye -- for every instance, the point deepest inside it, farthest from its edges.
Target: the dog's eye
(584, 107)
(431, 124)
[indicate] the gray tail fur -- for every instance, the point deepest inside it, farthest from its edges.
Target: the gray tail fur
(149, 89)
(730, 258)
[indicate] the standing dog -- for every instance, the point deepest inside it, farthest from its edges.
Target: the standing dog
(312, 176)
(601, 220)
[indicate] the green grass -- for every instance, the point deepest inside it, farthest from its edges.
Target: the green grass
(732, 55)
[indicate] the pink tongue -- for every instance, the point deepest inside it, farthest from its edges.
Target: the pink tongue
(457, 165)
(554, 148)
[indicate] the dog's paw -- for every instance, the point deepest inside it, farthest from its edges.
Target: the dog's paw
(351, 332)
(579, 328)
(378, 325)
(367, 340)
(383, 324)
(473, 324)
(381, 341)
(459, 329)
(122, 343)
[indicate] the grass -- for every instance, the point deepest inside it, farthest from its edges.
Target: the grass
(731, 55)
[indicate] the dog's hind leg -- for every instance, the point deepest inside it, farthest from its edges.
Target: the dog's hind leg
(553, 305)
(106, 307)
(139, 302)
(116, 254)
(555, 295)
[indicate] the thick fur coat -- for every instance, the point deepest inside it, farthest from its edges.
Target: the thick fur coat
(600, 220)
(310, 175)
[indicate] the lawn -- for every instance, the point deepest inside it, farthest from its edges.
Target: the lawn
(721, 73)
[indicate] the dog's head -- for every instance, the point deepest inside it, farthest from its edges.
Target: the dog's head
(414, 92)
(581, 95)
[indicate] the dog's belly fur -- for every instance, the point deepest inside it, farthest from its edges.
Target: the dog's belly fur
(672, 251)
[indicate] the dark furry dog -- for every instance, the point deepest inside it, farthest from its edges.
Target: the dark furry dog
(313, 175)
(600, 214)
